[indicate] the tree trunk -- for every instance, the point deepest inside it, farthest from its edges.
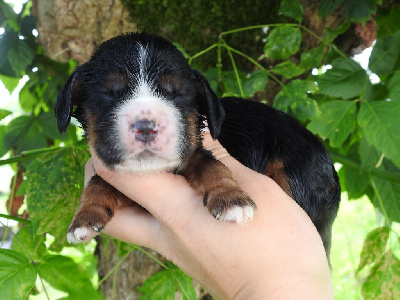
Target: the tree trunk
(130, 274)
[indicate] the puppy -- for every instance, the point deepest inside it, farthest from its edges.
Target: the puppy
(142, 108)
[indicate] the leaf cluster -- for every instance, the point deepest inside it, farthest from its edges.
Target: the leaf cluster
(355, 116)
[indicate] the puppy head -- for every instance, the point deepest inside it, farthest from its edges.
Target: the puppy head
(139, 103)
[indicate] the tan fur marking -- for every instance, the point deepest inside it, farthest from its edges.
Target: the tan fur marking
(276, 171)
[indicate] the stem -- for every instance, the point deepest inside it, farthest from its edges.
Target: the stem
(385, 174)
(258, 27)
(114, 268)
(255, 63)
(234, 68)
(152, 257)
(44, 288)
(27, 155)
(378, 196)
(202, 52)
(20, 220)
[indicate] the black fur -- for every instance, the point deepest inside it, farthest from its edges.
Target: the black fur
(255, 133)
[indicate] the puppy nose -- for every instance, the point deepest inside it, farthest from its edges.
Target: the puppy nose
(145, 131)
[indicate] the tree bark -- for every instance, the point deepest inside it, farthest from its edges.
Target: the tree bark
(72, 29)
(130, 274)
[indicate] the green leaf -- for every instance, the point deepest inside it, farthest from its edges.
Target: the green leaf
(360, 10)
(388, 21)
(4, 113)
(384, 280)
(8, 17)
(354, 181)
(26, 99)
(54, 191)
(26, 241)
(332, 34)
(212, 76)
(327, 6)
(17, 275)
(369, 155)
(383, 135)
(3, 151)
(185, 285)
(394, 86)
(387, 197)
(335, 122)
(294, 97)
(288, 69)
(346, 79)
(15, 130)
(28, 23)
(20, 56)
(160, 285)
(33, 138)
(374, 247)
(9, 82)
(230, 84)
(311, 58)
(47, 122)
(254, 83)
(282, 42)
(67, 276)
(292, 9)
(385, 54)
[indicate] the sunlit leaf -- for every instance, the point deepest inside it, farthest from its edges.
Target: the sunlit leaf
(384, 280)
(17, 275)
(294, 98)
(9, 82)
(67, 276)
(335, 122)
(160, 285)
(384, 135)
(384, 54)
(282, 42)
(54, 191)
(387, 197)
(288, 69)
(374, 246)
(346, 79)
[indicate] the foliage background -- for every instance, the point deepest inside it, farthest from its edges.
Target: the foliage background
(356, 117)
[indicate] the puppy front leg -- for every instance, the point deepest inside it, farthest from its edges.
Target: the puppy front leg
(98, 204)
(224, 199)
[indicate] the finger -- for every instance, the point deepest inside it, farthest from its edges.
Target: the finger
(214, 146)
(89, 171)
(134, 225)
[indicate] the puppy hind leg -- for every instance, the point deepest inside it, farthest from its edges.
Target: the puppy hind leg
(225, 200)
(98, 203)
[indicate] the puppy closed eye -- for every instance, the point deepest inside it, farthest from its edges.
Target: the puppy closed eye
(169, 84)
(117, 83)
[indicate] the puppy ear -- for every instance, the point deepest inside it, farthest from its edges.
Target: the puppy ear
(64, 103)
(209, 105)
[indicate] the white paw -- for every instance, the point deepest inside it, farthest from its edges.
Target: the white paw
(238, 214)
(80, 235)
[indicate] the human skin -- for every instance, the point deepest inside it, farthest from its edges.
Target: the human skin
(279, 255)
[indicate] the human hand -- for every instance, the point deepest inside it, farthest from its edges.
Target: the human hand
(279, 255)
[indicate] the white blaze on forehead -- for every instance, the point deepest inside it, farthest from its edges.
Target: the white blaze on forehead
(162, 153)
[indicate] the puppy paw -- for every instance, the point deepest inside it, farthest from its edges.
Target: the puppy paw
(80, 235)
(85, 226)
(232, 205)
